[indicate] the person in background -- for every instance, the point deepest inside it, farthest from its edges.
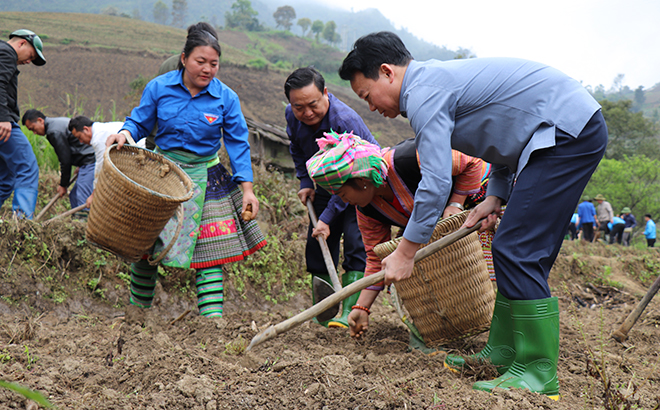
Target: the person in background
(537, 127)
(572, 227)
(95, 134)
(70, 152)
(586, 219)
(616, 229)
(649, 231)
(631, 222)
(195, 112)
(311, 112)
(19, 171)
(382, 184)
(604, 216)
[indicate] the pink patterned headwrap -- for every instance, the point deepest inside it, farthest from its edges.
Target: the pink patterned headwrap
(343, 157)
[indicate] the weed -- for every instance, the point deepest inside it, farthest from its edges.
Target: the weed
(125, 277)
(236, 347)
(5, 356)
(30, 358)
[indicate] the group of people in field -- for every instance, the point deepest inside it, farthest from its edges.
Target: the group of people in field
(534, 134)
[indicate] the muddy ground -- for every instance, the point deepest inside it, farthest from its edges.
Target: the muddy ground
(77, 342)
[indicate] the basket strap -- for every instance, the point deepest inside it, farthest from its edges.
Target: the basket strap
(179, 224)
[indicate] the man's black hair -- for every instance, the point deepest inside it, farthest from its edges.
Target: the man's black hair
(303, 77)
(79, 122)
(372, 50)
(31, 115)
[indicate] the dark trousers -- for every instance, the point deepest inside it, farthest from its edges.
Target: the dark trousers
(526, 246)
(588, 231)
(572, 231)
(355, 258)
(617, 233)
(650, 242)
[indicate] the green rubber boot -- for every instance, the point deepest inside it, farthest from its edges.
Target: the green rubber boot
(499, 349)
(536, 338)
(347, 304)
(314, 301)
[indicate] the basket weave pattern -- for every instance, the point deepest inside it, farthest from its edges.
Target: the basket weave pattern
(137, 192)
(449, 295)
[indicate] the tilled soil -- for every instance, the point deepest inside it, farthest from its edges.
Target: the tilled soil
(94, 352)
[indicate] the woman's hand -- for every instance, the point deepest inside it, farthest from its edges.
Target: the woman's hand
(249, 198)
(490, 208)
(358, 322)
(451, 210)
(322, 229)
(119, 139)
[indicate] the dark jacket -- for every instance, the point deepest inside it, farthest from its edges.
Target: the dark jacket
(8, 84)
(69, 150)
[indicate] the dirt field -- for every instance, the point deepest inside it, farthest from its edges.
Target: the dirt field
(66, 330)
(82, 347)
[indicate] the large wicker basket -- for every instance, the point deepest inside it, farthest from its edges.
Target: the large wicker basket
(449, 295)
(137, 192)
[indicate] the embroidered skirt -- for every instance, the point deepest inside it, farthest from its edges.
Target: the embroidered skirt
(213, 232)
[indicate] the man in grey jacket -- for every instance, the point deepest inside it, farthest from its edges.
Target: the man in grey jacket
(536, 126)
(70, 152)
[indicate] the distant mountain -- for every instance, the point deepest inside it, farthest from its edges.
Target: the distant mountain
(350, 25)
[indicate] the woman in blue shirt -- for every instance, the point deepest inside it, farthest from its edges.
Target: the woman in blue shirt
(194, 111)
(649, 231)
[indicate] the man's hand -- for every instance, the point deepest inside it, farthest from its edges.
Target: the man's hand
(5, 131)
(321, 229)
(305, 193)
(61, 191)
(490, 208)
(399, 265)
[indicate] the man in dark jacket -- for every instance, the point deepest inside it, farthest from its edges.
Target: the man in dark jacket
(70, 152)
(19, 172)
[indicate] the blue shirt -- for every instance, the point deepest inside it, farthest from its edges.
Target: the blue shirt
(649, 231)
(630, 220)
(497, 109)
(339, 118)
(615, 221)
(194, 124)
(586, 212)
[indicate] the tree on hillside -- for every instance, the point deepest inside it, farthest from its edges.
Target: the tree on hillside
(630, 133)
(304, 24)
(110, 11)
(633, 182)
(330, 33)
(160, 12)
(640, 98)
(179, 13)
(243, 16)
(317, 28)
(284, 16)
(136, 14)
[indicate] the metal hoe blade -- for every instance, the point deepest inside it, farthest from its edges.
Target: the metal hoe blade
(322, 290)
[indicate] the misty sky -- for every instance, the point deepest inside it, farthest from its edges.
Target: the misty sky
(591, 40)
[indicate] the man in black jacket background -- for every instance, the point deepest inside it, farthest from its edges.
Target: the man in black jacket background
(19, 172)
(70, 152)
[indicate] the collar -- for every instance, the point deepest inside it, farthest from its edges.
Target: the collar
(175, 78)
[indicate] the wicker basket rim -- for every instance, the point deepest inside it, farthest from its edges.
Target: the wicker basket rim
(173, 167)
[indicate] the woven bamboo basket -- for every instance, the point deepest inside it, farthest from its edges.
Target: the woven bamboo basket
(137, 192)
(449, 295)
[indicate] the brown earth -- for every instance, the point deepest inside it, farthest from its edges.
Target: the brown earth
(67, 332)
(78, 343)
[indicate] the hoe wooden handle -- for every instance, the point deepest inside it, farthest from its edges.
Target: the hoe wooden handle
(621, 334)
(322, 306)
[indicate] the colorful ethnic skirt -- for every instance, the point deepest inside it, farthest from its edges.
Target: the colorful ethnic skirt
(213, 232)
